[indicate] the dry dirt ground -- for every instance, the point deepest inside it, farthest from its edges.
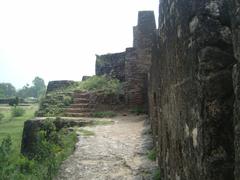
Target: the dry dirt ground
(117, 151)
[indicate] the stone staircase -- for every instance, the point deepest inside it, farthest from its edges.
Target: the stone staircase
(81, 106)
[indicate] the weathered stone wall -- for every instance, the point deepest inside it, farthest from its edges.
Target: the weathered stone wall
(112, 65)
(55, 85)
(138, 59)
(106, 102)
(132, 66)
(191, 92)
(235, 17)
(32, 127)
(84, 78)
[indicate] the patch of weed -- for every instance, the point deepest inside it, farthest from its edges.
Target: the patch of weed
(157, 175)
(152, 155)
(102, 114)
(17, 111)
(84, 132)
(102, 123)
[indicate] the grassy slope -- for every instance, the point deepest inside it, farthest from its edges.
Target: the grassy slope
(14, 126)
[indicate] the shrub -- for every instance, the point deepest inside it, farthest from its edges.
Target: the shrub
(104, 114)
(52, 147)
(17, 111)
(14, 101)
(5, 154)
(100, 83)
(53, 105)
(67, 100)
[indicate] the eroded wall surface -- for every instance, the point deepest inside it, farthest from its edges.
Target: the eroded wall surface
(138, 59)
(191, 92)
(132, 66)
(112, 65)
(235, 17)
(58, 85)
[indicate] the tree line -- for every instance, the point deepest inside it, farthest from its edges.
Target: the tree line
(36, 90)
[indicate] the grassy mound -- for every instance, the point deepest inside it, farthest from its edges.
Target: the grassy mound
(98, 83)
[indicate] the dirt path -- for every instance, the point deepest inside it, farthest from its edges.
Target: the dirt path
(115, 152)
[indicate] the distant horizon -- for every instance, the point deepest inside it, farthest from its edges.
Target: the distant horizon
(57, 39)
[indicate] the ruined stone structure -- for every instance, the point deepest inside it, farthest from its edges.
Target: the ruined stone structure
(191, 90)
(132, 66)
(138, 59)
(188, 74)
(56, 85)
(112, 65)
(235, 17)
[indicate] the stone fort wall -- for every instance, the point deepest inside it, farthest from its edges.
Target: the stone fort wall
(187, 73)
(189, 69)
(132, 66)
(191, 93)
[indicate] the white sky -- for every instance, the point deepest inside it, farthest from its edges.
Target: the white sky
(58, 39)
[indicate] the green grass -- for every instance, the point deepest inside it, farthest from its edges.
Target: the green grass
(157, 175)
(102, 123)
(14, 166)
(17, 111)
(102, 114)
(53, 103)
(13, 126)
(99, 83)
(152, 155)
(103, 84)
(85, 132)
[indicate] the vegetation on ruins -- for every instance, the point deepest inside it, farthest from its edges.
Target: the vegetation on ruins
(95, 83)
(157, 175)
(99, 83)
(102, 114)
(102, 122)
(53, 104)
(52, 147)
(152, 155)
(85, 132)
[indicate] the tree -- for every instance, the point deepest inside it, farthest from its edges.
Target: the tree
(1, 93)
(39, 86)
(26, 91)
(7, 90)
(36, 90)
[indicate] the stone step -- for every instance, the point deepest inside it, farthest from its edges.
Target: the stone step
(78, 110)
(77, 114)
(81, 105)
(80, 100)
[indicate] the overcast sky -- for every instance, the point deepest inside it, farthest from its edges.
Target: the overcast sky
(58, 39)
